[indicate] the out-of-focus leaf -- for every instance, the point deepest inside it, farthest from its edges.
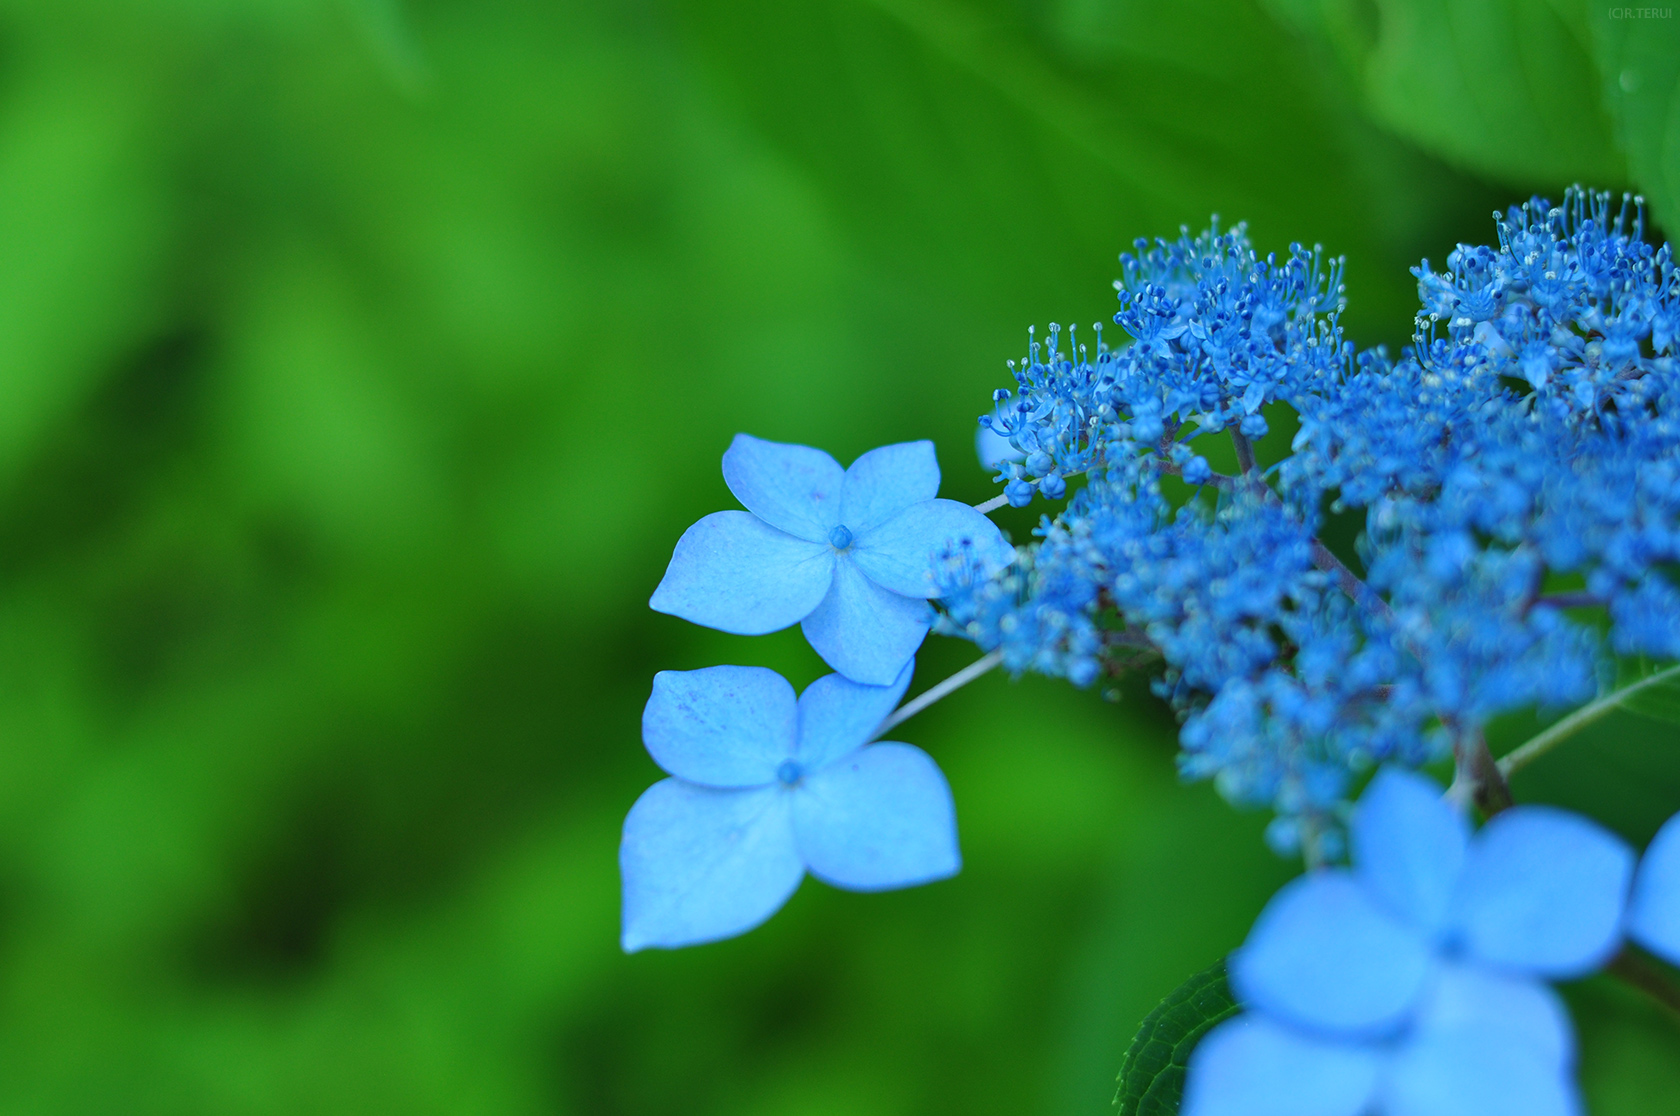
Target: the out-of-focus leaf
(81, 228)
(1639, 61)
(1152, 1074)
(1504, 88)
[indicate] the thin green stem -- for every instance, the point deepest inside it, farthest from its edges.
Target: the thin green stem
(952, 684)
(1544, 742)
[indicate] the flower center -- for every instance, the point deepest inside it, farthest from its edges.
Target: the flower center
(789, 772)
(841, 537)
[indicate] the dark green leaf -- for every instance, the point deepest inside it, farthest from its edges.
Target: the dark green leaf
(1152, 1074)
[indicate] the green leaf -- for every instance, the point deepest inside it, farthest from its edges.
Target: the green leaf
(1505, 88)
(1639, 60)
(1152, 1074)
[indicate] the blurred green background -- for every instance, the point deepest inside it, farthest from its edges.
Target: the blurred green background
(360, 363)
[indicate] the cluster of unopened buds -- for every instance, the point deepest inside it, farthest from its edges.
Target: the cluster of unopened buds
(1514, 479)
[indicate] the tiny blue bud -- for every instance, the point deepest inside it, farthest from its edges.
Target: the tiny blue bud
(841, 537)
(1197, 471)
(789, 773)
(1040, 463)
(1019, 493)
(1254, 426)
(1053, 487)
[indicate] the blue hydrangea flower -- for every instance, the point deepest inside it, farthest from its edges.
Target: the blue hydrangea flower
(764, 788)
(846, 553)
(1410, 985)
(1654, 914)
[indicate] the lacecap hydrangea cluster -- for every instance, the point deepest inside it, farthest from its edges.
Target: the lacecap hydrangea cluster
(1514, 477)
(1513, 481)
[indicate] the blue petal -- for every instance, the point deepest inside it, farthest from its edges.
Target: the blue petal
(1654, 917)
(737, 574)
(1252, 1066)
(1325, 956)
(701, 864)
(723, 726)
(837, 715)
(795, 488)
(1484, 1045)
(880, 817)
(900, 553)
(993, 449)
(885, 481)
(864, 631)
(1543, 891)
(1463, 998)
(1408, 847)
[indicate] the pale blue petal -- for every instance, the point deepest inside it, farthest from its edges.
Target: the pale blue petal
(1462, 998)
(723, 726)
(864, 631)
(900, 553)
(993, 449)
(736, 573)
(1654, 917)
(1484, 1045)
(1325, 956)
(1408, 847)
(885, 481)
(837, 715)
(700, 864)
(795, 488)
(1252, 1066)
(880, 817)
(1543, 891)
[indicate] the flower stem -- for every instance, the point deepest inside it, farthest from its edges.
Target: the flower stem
(952, 684)
(1543, 742)
(1245, 452)
(1634, 968)
(987, 507)
(1476, 778)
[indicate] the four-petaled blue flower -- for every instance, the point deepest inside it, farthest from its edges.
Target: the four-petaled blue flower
(1654, 913)
(763, 789)
(1408, 986)
(848, 553)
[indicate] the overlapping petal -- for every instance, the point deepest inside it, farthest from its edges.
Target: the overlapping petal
(794, 488)
(1654, 915)
(1409, 846)
(733, 572)
(886, 481)
(700, 864)
(837, 715)
(1543, 891)
(864, 631)
(1484, 1045)
(900, 553)
(722, 726)
(1323, 955)
(1251, 1066)
(879, 818)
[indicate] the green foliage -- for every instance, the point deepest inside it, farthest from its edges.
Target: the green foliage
(1639, 70)
(1506, 88)
(1152, 1076)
